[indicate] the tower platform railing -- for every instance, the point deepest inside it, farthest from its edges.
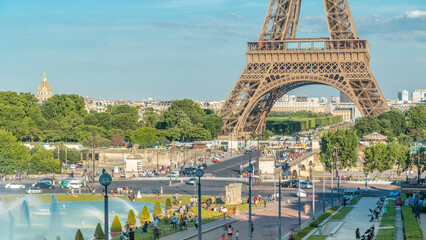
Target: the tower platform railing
(317, 44)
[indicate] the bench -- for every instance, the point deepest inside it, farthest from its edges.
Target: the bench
(336, 228)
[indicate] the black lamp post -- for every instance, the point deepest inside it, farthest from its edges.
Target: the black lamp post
(105, 179)
(199, 173)
(250, 171)
(285, 167)
(93, 159)
(300, 220)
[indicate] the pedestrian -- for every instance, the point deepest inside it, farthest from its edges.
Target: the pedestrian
(264, 202)
(417, 211)
(237, 235)
(357, 234)
(224, 210)
(230, 231)
(131, 234)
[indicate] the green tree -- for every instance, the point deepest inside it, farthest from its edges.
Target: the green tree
(377, 158)
(418, 159)
(145, 136)
(168, 204)
(367, 125)
(150, 117)
(214, 124)
(116, 225)
(79, 235)
(131, 218)
(145, 215)
(97, 141)
(416, 117)
(397, 120)
(398, 155)
(14, 156)
(157, 212)
(99, 233)
(189, 107)
(43, 161)
(266, 134)
(339, 149)
(60, 106)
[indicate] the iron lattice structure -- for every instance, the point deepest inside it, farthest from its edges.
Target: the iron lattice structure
(278, 63)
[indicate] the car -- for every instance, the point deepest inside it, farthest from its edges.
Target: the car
(216, 160)
(34, 190)
(301, 192)
(192, 181)
(14, 186)
(43, 185)
(289, 183)
(173, 174)
(76, 184)
(305, 185)
(65, 182)
(79, 165)
(45, 180)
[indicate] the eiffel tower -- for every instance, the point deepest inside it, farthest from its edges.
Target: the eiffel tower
(278, 62)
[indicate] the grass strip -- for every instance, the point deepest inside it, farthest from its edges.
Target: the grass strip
(323, 217)
(354, 201)
(342, 213)
(412, 230)
(318, 237)
(388, 218)
(385, 234)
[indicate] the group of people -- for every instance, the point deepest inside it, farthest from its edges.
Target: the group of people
(368, 235)
(416, 202)
(375, 214)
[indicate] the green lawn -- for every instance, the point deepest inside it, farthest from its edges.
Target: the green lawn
(388, 218)
(342, 213)
(412, 230)
(318, 237)
(323, 217)
(385, 234)
(354, 201)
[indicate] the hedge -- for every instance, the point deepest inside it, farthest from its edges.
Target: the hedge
(157, 212)
(131, 218)
(412, 230)
(323, 217)
(99, 233)
(79, 235)
(145, 215)
(302, 233)
(168, 204)
(116, 225)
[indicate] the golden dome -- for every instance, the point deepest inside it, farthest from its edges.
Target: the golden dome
(44, 90)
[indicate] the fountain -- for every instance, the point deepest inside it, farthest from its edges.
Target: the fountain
(127, 205)
(10, 226)
(26, 217)
(55, 221)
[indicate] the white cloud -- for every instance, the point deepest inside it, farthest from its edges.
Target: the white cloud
(416, 14)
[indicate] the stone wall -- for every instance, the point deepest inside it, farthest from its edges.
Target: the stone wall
(150, 157)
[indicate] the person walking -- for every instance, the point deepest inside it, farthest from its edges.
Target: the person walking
(230, 231)
(417, 211)
(237, 235)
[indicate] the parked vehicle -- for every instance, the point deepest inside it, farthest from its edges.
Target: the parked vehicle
(305, 185)
(192, 181)
(79, 165)
(43, 185)
(76, 184)
(14, 186)
(46, 180)
(173, 174)
(302, 193)
(34, 190)
(65, 182)
(289, 183)
(216, 160)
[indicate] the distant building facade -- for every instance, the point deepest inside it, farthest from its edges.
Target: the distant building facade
(44, 91)
(403, 96)
(419, 96)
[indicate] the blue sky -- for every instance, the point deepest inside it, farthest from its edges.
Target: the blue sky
(172, 49)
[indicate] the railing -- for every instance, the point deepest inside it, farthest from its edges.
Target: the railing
(308, 44)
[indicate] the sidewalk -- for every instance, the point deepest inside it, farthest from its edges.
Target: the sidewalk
(264, 219)
(357, 218)
(423, 224)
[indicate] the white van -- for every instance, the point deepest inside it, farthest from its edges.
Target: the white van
(75, 184)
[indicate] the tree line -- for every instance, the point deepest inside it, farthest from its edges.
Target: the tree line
(63, 118)
(289, 123)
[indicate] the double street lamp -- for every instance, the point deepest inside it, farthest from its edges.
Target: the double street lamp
(313, 191)
(285, 167)
(250, 171)
(300, 220)
(105, 179)
(199, 173)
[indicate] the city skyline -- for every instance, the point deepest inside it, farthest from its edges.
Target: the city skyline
(136, 50)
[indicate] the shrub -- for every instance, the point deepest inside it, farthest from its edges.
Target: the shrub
(302, 233)
(131, 218)
(79, 235)
(323, 217)
(99, 233)
(412, 230)
(116, 225)
(157, 212)
(168, 204)
(145, 215)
